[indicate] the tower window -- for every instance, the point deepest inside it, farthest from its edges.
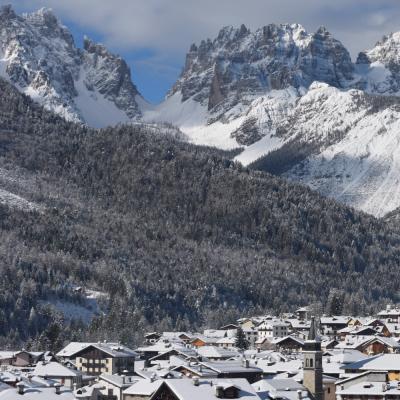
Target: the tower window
(311, 362)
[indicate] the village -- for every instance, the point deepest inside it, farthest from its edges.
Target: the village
(293, 356)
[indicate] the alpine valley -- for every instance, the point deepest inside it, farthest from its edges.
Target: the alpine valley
(263, 175)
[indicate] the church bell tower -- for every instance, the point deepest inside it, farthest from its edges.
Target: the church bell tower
(312, 363)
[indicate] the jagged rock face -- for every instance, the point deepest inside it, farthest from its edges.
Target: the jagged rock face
(39, 56)
(111, 76)
(380, 67)
(240, 63)
(27, 45)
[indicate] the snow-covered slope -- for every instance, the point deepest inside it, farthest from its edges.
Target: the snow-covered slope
(298, 106)
(38, 55)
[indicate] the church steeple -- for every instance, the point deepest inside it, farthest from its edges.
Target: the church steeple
(312, 363)
(312, 334)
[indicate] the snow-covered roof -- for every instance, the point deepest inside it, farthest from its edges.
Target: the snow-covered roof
(216, 352)
(282, 388)
(335, 320)
(184, 389)
(143, 387)
(295, 339)
(112, 349)
(384, 362)
(5, 355)
(230, 366)
(371, 389)
(118, 380)
(53, 369)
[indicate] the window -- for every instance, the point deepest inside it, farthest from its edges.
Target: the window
(329, 390)
(311, 362)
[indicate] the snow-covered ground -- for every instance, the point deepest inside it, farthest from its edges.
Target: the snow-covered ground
(84, 312)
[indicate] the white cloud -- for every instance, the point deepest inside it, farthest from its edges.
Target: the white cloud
(169, 26)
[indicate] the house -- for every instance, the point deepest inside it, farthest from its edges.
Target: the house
(234, 369)
(216, 353)
(246, 323)
(299, 325)
(161, 347)
(166, 355)
(358, 330)
(226, 342)
(204, 389)
(21, 358)
(112, 386)
(290, 343)
(369, 385)
(251, 335)
(391, 314)
(59, 373)
(202, 340)
(387, 363)
(333, 363)
(264, 343)
(273, 329)
(285, 388)
(152, 337)
(379, 345)
(303, 313)
(101, 357)
(331, 325)
(142, 389)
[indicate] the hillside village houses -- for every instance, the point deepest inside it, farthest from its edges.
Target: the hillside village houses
(291, 356)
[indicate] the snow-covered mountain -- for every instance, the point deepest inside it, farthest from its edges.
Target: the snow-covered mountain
(38, 55)
(299, 107)
(293, 101)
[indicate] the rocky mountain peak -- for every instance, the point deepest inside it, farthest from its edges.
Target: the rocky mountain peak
(239, 63)
(111, 76)
(42, 60)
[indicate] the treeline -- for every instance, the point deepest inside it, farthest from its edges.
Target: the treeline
(177, 236)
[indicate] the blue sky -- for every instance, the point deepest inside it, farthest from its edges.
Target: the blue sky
(154, 35)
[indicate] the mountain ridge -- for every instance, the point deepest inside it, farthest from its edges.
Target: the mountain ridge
(262, 91)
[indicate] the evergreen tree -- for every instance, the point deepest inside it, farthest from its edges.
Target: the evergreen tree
(241, 342)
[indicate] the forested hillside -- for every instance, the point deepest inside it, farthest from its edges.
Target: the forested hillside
(177, 236)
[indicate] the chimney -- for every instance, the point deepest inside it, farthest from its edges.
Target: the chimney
(20, 387)
(196, 381)
(219, 391)
(153, 377)
(299, 395)
(246, 363)
(123, 376)
(58, 388)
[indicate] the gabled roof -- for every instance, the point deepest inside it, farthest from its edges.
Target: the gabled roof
(112, 349)
(230, 366)
(118, 380)
(216, 352)
(53, 369)
(184, 389)
(293, 338)
(384, 362)
(143, 387)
